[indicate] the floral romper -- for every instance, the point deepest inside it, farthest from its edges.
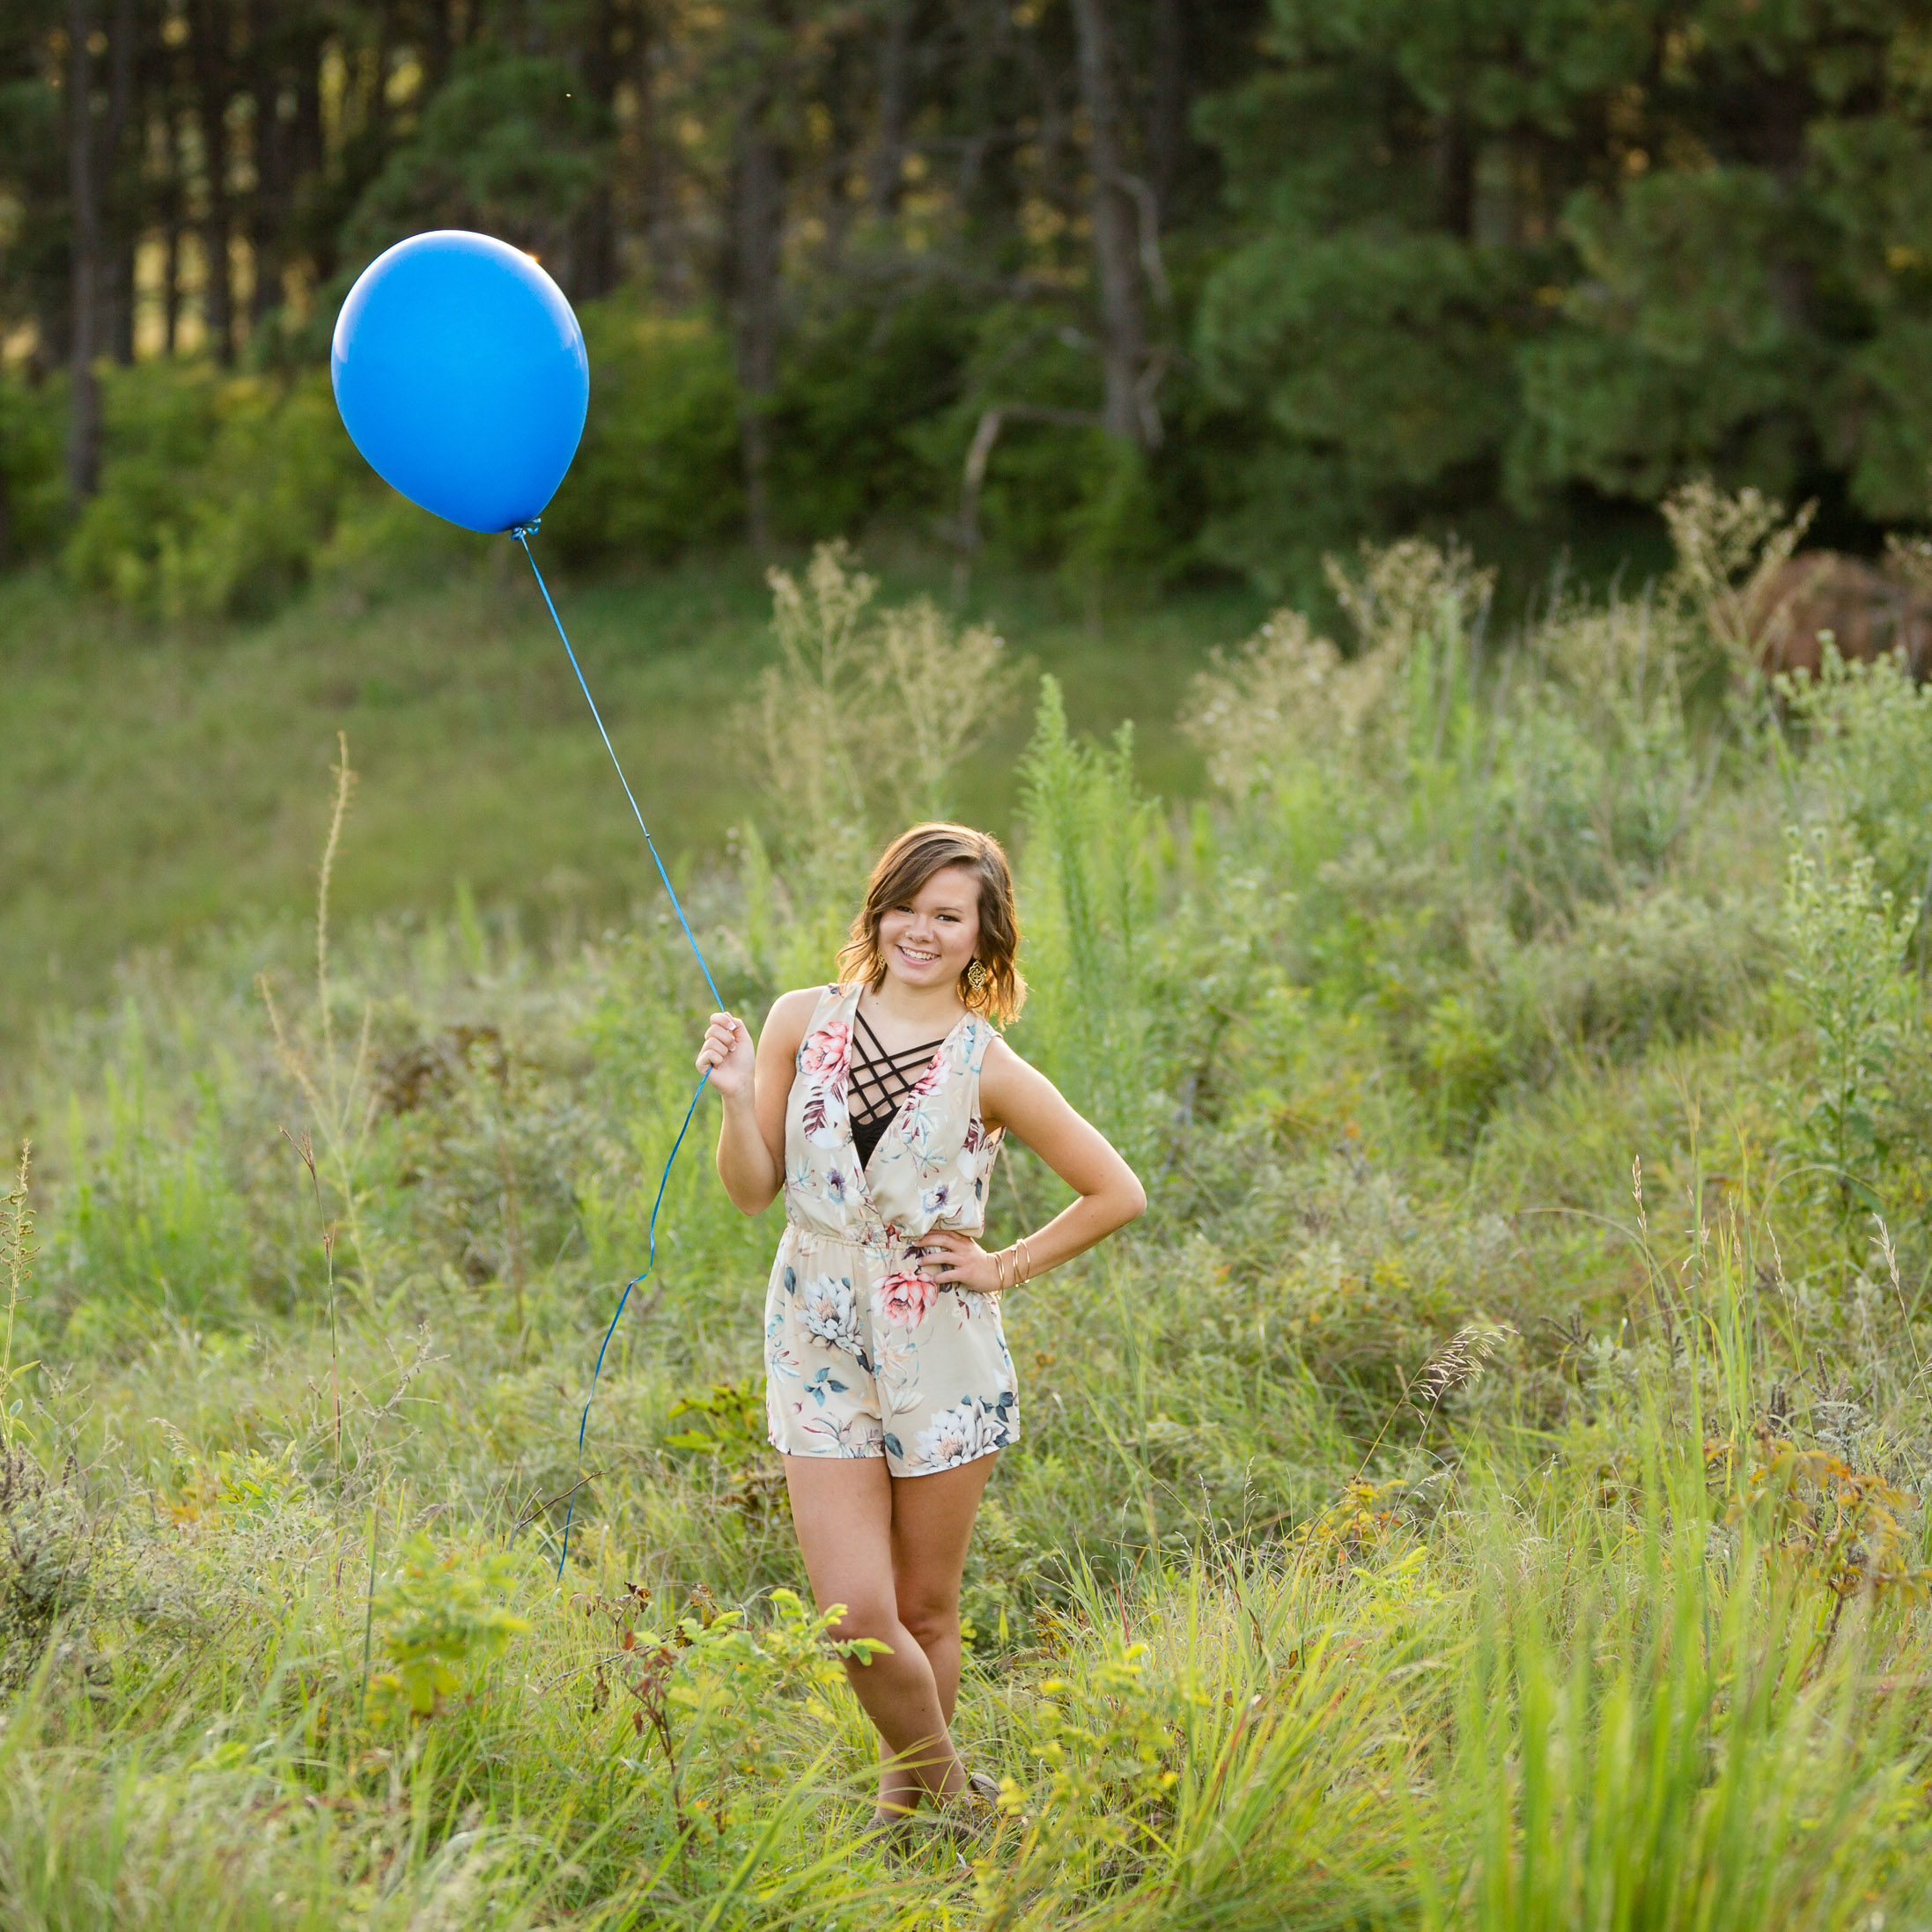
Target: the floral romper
(864, 1356)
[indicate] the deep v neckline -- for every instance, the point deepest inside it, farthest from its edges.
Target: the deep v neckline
(899, 1111)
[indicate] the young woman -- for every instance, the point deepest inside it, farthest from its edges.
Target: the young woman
(878, 1105)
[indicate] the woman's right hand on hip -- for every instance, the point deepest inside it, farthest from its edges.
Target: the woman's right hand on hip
(727, 1055)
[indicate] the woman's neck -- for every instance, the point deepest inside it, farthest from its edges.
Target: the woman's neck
(908, 1009)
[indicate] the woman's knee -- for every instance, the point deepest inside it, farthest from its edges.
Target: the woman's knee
(930, 1618)
(864, 1619)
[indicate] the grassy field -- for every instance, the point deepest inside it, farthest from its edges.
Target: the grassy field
(1483, 1492)
(161, 780)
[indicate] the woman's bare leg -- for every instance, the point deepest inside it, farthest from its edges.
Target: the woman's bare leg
(892, 1551)
(932, 1519)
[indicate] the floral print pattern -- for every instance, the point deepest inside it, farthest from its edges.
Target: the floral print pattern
(905, 1300)
(969, 1429)
(864, 1355)
(829, 1312)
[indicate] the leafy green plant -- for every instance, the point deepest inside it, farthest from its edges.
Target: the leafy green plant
(1846, 946)
(1867, 735)
(216, 493)
(1730, 548)
(33, 489)
(1840, 1530)
(1088, 880)
(704, 1688)
(1107, 1745)
(726, 1423)
(438, 1616)
(658, 468)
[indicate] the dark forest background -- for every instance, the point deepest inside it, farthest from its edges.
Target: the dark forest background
(1136, 287)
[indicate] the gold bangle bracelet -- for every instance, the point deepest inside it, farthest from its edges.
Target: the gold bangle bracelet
(1026, 1259)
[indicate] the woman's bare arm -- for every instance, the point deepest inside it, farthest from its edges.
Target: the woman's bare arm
(754, 1088)
(1024, 1102)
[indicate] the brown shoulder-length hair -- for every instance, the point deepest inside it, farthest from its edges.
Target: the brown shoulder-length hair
(903, 870)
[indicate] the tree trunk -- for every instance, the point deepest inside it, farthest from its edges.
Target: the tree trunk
(210, 58)
(669, 275)
(170, 245)
(436, 47)
(123, 229)
(306, 147)
(887, 174)
(385, 51)
(1455, 175)
(757, 189)
(594, 250)
(83, 417)
(119, 342)
(1166, 117)
(1123, 336)
(274, 162)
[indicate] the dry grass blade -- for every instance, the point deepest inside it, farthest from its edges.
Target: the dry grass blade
(16, 1242)
(1457, 1363)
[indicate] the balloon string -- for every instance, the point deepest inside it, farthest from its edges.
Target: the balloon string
(651, 1262)
(523, 534)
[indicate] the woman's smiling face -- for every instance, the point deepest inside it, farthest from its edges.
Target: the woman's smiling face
(928, 941)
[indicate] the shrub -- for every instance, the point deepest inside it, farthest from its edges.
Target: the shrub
(659, 467)
(33, 492)
(1868, 769)
(1847, 943)
(217, 491)
(437, 1617)
(1088, 878)
(854, 387)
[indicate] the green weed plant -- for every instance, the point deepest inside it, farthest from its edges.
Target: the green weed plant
(1482, 1019)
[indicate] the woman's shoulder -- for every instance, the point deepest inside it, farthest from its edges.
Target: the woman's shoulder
(789, 1017)
(997, 1058)
(794, 1009)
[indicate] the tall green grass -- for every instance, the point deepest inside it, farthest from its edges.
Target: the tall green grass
(1482, 1494)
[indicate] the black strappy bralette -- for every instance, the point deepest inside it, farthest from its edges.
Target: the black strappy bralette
(877, 1081)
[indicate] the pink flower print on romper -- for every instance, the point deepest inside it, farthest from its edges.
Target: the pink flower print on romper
(823, 1057)
(905, 1300)
(826, 1049)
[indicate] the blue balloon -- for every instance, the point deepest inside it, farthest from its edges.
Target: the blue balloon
(460, 374)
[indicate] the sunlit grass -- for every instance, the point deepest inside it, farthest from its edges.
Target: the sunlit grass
(157, 782)
(1483, 1494)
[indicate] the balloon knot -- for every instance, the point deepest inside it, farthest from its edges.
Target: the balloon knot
(523, 530)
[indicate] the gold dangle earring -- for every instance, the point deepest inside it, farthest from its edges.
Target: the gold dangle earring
(977, 976)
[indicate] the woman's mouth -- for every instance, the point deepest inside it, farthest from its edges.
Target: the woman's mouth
(912, 956)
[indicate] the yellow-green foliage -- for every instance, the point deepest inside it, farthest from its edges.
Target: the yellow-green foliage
(438, 1614)
(223, 489)
(1484, 1492)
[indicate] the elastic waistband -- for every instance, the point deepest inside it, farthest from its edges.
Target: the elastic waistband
(804, 1231)
(881, 1241)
